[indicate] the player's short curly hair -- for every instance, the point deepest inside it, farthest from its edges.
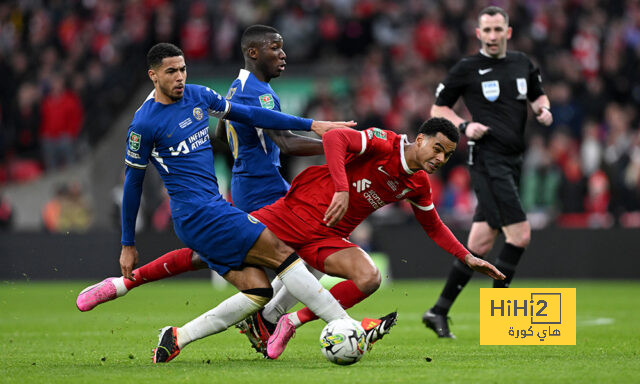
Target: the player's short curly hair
(434, 125)
(160, 51)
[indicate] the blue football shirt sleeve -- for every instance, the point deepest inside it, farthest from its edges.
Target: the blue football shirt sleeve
(266, 118)
(139, 146)
(138, 150)
(131, 197)
(254, 116)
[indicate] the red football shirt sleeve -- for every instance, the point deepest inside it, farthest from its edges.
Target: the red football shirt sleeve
(337, 144)
(437, 231)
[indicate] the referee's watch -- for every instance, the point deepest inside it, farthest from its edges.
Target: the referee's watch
(463, 126)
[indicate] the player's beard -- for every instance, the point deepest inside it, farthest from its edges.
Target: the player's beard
(170, 95)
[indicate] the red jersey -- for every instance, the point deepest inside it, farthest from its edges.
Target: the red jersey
(371, 166)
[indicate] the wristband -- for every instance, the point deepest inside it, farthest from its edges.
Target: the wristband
(463, 126)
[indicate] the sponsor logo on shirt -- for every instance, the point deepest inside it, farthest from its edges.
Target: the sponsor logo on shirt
(134, 141)
(197, 113)
(362, 185)
(484, 71)
(266, 101)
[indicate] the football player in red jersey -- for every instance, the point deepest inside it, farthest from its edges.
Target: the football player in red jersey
(365, 171)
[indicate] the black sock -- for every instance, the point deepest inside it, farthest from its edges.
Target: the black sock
(459, 276)
(507, 262)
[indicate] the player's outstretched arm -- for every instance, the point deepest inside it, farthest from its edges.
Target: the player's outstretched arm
(295, 145)
(322, 127)
(483, 266)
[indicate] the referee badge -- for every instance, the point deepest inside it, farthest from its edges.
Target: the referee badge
(522, 87)
(491, 90)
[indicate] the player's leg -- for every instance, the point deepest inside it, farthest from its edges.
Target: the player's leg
(363, 279)
(486, 221)
(517, 238)
(363, 276)
(259, 326)
(505, 179)
(170, 264)
(255, 292)
(270, 252)
(480, 241)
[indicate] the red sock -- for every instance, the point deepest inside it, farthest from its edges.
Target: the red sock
(345, 292)
(167, 265)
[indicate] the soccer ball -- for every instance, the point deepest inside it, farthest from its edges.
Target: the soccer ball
(343, 341)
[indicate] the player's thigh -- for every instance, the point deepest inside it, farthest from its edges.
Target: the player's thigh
(268, 251)
(249, 277)
(481, 238)
(351, 263)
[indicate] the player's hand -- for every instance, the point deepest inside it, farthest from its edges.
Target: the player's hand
(128, 261)
(483, 266)
(475, 130)
(322, 127)
(544, 117)
(337, 208)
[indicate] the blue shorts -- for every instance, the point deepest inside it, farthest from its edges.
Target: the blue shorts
(220, 233)
(252, 193)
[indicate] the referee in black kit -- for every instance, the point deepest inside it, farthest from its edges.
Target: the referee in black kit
(495, 85)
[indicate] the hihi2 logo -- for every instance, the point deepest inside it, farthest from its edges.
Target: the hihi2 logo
(528, 316)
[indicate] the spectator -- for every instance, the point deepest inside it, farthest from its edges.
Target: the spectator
(62, 115)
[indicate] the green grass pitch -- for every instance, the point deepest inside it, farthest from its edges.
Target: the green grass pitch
(44, 339)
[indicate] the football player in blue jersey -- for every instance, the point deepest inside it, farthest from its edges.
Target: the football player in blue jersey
(170, 129)
(256, 180)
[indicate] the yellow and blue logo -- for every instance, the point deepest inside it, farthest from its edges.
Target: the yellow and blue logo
(528, 316)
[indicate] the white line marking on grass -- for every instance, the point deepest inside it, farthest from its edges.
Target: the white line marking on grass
(597, 321)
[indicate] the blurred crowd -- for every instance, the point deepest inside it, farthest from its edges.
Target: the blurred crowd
(66, 66)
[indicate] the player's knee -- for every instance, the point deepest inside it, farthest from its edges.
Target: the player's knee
(368, 280)
(479, 250)
(260, 296)
(520, 239)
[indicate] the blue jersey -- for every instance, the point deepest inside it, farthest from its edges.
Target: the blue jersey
(256, 180)
(175, 137)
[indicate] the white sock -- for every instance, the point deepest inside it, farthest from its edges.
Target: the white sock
(283, 301)
(307, 289)
(226, 314)
(293, 317)
(121, 290)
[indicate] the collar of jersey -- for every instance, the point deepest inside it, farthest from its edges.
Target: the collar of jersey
(403, 161)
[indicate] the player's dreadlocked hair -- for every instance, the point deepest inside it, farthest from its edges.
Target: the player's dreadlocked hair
(254, 35)
(434, 125)
(160, 51)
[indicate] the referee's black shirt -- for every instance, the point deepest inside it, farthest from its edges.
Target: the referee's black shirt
(495, 91)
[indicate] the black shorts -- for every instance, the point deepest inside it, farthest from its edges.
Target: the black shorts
(496, 181)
